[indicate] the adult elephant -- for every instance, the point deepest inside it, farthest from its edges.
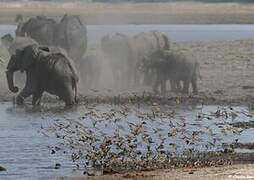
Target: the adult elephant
(143, 44)
(69, 33)
(40, 28)
(47, 71)
(117, 51)
(127, 52)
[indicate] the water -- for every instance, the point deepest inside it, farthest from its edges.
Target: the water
(176, 33)
(27, 135)
(24, 149)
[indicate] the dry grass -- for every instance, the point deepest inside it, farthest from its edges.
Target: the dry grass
(94, 13)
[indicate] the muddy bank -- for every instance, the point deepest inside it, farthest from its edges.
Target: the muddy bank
(243, 171)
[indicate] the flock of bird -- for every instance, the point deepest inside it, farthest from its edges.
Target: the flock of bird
(126, 137)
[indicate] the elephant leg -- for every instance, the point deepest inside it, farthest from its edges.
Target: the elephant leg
(173, 85)
(178, 86)
(26, 92)
(30, 87)
(148, 77)
(116, 78)
(128, 79)
(37, 98)
(68, 96)
(186, 84)
(156, 85)
(163, 87)
(136, 76)
(194, 86)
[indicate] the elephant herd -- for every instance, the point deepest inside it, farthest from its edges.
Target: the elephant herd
(52, 55)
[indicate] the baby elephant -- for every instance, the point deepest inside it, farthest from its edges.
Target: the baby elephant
(48, 71)
(175, 67)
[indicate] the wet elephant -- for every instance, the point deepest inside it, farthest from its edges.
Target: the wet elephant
(13, 44)
(45, 71)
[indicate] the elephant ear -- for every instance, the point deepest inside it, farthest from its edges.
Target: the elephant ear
(28, 57)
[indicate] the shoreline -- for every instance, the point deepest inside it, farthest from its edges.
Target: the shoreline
(239, 171)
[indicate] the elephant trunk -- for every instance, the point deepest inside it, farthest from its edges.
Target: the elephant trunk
(9, 76)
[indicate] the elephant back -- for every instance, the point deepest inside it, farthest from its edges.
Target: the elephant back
(51, 56)
(40, 28)
(71, 35)
(117, 46)
(147, 42)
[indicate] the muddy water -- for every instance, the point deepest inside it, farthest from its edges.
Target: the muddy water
(27, 135)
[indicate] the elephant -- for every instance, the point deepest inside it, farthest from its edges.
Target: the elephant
(90, 71)
(69, 33)
(40, 28)
(143, 44)
(173, 66)
(12, 44)
(125, 53)
(117, 51)
(47, 71)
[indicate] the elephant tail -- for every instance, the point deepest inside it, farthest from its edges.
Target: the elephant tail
(75, 80)
(74, 86)
(166, 42)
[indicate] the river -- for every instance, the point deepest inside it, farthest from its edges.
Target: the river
(213, 32)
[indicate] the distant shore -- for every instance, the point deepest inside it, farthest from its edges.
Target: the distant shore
(136, 13)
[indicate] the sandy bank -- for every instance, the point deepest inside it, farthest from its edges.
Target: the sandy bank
(136, 13)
